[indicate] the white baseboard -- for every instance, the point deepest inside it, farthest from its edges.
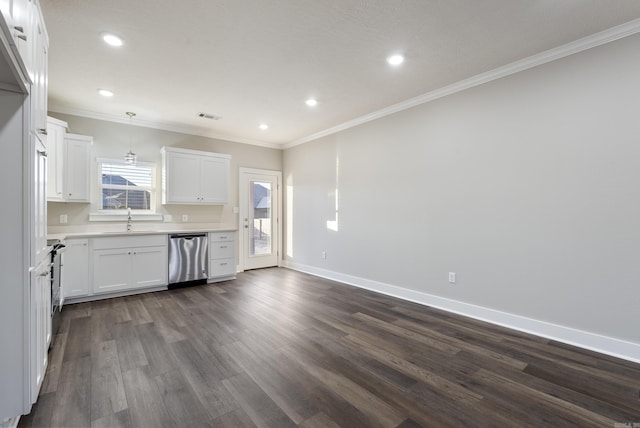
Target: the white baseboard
(606, 345)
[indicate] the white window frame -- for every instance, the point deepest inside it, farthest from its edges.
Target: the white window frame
(120, 215)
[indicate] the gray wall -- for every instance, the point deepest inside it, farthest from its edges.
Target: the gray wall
(527, 187)
(112, 140)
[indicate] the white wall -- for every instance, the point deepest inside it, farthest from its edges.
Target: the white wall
(527, 187)
(112, 140)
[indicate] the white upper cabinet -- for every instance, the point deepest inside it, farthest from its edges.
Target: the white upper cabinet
(20, 23)
(55, 145)
(69, 164)
(194, 177)
(77, 158)
(39, 76)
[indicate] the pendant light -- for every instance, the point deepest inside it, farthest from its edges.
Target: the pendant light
(130, 158)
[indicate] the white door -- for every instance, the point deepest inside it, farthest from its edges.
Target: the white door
(259, 218)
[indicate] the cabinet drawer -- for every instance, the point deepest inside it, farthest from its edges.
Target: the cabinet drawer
(221, 236)
(222, 267)
(222, 250)
(129, 241)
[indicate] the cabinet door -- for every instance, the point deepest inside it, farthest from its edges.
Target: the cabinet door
(111, 270)
(76, 167)
(74, 278)
(55, 151)
(21, 11)
(40, 326)
(150, 266)
(215, 180)
(39, 88)
(40, 202)
(183, 178)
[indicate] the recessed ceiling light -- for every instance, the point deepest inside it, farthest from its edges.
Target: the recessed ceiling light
(395, 59)
(264, 126)
(311, 102)
(105, 92)
(112, 39)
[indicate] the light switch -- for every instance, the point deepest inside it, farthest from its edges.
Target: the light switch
(452, 277)
(63, 219)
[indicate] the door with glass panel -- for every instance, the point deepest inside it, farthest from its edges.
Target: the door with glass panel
(259, 229)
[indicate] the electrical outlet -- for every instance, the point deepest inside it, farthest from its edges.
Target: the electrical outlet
(63, 219)
(324, 255)
(236, 210)
(452, 277)
(185, 217)
(168, 218)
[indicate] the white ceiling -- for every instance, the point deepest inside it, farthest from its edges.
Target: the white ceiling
(256, 61)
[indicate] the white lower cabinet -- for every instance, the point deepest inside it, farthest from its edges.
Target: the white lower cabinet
(222, 256)
(129, 263)
(75, 269)
(150, 266)
(111, 270)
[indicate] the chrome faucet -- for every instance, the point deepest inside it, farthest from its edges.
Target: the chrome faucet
(129, 220)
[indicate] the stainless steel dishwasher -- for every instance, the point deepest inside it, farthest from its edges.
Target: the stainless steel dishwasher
(188, 256)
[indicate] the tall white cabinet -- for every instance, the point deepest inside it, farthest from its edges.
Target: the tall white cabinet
(25, 307)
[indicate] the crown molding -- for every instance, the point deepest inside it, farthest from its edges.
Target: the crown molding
(164, 126)
(612, 34)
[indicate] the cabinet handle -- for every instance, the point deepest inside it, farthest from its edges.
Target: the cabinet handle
(223, 264)
(42, 153)
(223, 237)
(22, 36)
(19, 28)
(129, 253)
(223, 246)
(45, 273)
(43, 131)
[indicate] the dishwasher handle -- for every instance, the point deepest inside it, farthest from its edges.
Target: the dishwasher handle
(187, 235)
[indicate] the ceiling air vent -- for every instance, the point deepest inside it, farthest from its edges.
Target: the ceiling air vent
(209, 116)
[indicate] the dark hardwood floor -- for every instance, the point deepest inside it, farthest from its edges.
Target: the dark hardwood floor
(277, 348)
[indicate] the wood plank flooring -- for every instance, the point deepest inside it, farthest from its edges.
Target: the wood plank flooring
(277, 348)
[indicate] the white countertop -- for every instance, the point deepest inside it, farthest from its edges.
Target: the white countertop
(94, 234)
